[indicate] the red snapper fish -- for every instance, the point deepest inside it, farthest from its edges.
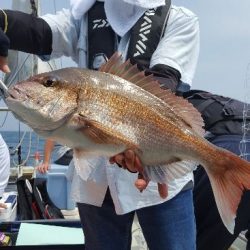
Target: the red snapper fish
(103, 113)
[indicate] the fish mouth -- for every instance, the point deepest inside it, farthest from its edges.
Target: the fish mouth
(32, 111)
(16, 93)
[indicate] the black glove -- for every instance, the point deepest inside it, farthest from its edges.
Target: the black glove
(4, 44)
(167, 76)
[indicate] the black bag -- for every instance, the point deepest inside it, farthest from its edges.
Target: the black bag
(34, 201)
(222, 115)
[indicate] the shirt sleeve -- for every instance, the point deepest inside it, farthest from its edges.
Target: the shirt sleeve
(65, 34)
(179, 47)
(4, 165)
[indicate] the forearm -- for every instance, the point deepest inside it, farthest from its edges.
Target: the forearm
(27, 33)
(167, 76)
(48, 147)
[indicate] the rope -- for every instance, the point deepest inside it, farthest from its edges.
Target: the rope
(33, 8)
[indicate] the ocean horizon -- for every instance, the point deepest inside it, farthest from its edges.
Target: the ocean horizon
(22, 146)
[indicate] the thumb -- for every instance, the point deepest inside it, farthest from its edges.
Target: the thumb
(163, 190)
(4, 65)
(6, 69)
(3, 205)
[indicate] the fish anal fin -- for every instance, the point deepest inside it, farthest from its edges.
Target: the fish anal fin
(170, 171)
(172, 160)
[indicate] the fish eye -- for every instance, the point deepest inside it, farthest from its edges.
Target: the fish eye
(49, 82)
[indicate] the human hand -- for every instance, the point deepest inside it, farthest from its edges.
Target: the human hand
(4, 47)
(43, 167)
(129, 160)
(4, 64)
(3, 205)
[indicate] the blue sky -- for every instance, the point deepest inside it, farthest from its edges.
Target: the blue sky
(225, 44)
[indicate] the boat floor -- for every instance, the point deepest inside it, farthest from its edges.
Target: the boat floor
(138, 241)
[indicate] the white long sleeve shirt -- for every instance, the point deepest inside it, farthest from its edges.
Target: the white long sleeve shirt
(4, 165)
(179, 48)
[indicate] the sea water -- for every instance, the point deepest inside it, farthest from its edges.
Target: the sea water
(23, 145)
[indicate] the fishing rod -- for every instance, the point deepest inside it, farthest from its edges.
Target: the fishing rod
(3, 89)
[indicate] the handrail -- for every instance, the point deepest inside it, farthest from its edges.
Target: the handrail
(4, 109)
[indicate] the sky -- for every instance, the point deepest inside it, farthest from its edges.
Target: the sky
(223, 66)
(225, 46)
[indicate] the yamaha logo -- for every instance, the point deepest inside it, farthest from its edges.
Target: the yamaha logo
(145, 30)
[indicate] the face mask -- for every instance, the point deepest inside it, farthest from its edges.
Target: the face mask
(121, 14)
(80, 7)
(147, 4)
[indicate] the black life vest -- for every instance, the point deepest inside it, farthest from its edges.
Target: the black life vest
(145, 36)
(222, 115)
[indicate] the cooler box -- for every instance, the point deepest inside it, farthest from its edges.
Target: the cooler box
(59, 186)
(9, 213)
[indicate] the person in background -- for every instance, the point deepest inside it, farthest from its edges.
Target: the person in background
(223, 118)
(63, 156)
(161, 39)
(4, 168)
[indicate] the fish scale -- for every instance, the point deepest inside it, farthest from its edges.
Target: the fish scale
(138, 125)
(117, 106)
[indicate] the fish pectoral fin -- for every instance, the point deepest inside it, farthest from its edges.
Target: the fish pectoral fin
(77, 121)
(100, 134)
(169, 172)
(94, 130)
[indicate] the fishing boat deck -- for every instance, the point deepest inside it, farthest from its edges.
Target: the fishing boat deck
(72, 220)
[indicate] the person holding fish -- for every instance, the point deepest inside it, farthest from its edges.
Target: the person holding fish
(163, 41)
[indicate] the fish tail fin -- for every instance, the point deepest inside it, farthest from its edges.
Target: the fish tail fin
(229, 176)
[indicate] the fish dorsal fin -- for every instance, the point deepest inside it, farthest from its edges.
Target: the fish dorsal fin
(179, 105)
(186, 110)
(129, 72)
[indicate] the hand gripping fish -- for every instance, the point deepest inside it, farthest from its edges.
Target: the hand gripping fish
(103, 113)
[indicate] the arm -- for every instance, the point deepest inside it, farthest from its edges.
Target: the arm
(48, 148)
(23, 32)
(48, 36)
(167, 76)
(27, 33)
(4, 168)
(4, 41)
(179, 47)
